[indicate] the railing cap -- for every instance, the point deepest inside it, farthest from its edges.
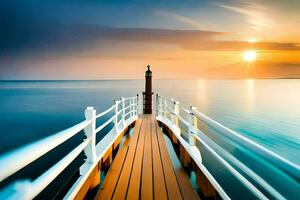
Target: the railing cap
(90, 108)
(192, 110)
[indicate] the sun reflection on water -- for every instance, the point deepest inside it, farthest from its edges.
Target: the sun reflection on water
(250, 94)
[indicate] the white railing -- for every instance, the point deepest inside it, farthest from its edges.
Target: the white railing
(15, 160)
(171, 113)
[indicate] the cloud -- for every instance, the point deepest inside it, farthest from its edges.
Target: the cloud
(195, 24)
(255, 14)
(65, 39)
(243, 45)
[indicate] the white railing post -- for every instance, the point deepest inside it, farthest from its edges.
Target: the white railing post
(131, 107)
(173, 115)
(176, 112)
(192, 125)
(137, 104)
(152, 102)
(164, 102)
(116, 115)
(160, 106)
(90, 149)
(123, 111)
(156, 104)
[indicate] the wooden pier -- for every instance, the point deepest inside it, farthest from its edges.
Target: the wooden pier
(138, 162)
(142, 169)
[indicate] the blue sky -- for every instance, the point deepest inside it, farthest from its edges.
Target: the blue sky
(36, 35)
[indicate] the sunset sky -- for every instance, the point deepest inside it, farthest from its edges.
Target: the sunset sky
(116, 39)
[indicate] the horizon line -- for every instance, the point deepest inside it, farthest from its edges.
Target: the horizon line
(25, 80)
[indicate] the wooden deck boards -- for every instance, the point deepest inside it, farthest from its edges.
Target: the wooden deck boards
(135, 178)
(159, 183)
(143, 169)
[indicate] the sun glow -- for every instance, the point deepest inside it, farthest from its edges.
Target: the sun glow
(252, 40)
(249, 56)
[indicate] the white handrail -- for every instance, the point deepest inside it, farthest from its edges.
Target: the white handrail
(249, 185)
(105, 124)
(15, 160)
(129, 106)
(183, 121)
(184, 109)
(105, 112)
(213, 181)
(21, 157)
(262, 149)
(195, 154)
(246, 141)
(170, 112)
(242, 166)
(47, 177)
(120, 121)
(170, 109)
(130, 112)
(162, 108)
(170, 100)
(128, 98)
(119, 112)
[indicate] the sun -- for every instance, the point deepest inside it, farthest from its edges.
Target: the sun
(249, 56)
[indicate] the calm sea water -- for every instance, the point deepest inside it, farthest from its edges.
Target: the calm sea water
(266, 111)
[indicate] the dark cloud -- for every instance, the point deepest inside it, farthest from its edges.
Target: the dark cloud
(64, 38)
(189, 39)
(242, 45)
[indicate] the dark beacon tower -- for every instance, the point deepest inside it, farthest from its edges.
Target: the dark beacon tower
(148, 92)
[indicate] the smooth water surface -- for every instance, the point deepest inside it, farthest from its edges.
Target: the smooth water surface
(266, 111)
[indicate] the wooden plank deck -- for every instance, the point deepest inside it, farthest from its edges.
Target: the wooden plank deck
(142, 169)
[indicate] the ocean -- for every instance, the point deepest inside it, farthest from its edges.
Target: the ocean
(266, 111)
